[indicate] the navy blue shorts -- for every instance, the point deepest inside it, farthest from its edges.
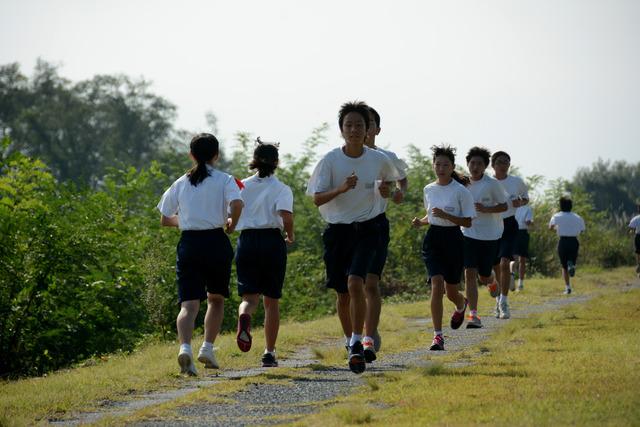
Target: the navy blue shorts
(261, 262)
(442, 253)
(637, 242)
(348, 251)
(380, 258)
(568, 250)
(522, 244)
(203, 264)
(507, 243)
(480, 254)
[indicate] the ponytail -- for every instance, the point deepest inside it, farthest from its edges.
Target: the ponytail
(461, 179)
(204, 147)
(197, 174)
(265, 158)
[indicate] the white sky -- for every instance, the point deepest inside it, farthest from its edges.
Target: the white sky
(553, 82)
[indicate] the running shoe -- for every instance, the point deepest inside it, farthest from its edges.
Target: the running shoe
(269, 360)
(520, 286)
(474, 322)
(369, 350)
(457, 318)
(496, 311)
(243, 337)
(571, 268)
(185, 360)
(567, 291)
(437, 344)
(357, 362)
(512, 282)
(493, 289)
(504, 310)
(377, 341)
(206, 356)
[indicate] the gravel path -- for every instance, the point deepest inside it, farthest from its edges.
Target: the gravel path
(291, 398)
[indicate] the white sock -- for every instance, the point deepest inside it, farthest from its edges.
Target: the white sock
(437, 333)
(207, 345)
(185, 348)
(520, 282)
(367, 338)
(355, 338)
(503, 298)
(498, 299)
(272, 352)
(347, 341)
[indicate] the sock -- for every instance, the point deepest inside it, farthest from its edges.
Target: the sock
(437, 333)
(503, 298)
(460, 310)
(474, 312)
(367, 338)
(207, 345)
(272, 352)
(498, 299)
(355, 338)
(347, 341)
(521, 282)
(185, 348)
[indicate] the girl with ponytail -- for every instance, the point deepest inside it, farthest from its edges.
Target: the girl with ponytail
(198, 204)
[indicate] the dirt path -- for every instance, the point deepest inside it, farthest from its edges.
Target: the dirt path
(312, 387)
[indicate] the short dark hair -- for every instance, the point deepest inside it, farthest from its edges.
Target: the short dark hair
(204, 147)
(375, 115)
(265, 159)
(479, 152)
(499, 154)
(566, 204)
(449, 152)
(358, 107)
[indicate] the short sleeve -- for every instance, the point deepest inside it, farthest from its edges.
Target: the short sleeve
(168, 205)
(284, 202)
(231, 190)
(467, 206)
(553, 220)
(320, 180)
(634, 222)
(399, 164)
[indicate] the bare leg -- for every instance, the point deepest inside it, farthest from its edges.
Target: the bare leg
(213, 316)
(249, 304)
(271, 322)
(186, 320)
(471, 285)
(522, 266)
(565, 276)
(374, 304)
(358, 306)
(454, 295)
(437, 292)
(343, 302)
(505, 276)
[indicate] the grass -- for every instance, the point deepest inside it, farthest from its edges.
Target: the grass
(121, 377)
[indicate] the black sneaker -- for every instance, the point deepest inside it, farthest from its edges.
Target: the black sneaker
(269, 361)
(369, 350)
(437, 344)
(357, 363)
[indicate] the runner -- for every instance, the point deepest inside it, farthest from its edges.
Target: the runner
(524, 216)
(197, 203)
(343, 186)
(568, 225)
(518, 196)
(261, 253)
(449, 206)
(634, 226)
(481, 239)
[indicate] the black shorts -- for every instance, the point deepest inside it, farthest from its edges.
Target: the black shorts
(442, 253)
(380, 257)
(348, 251)
(203, 264)
(480, 254)
(637, 242)
(522, 244)
(507, 243)
(568, 250)
(261, 262)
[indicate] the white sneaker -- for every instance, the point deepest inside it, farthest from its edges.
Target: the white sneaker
(206, 356)
(504, 310)
(185, 360)
(496, 311)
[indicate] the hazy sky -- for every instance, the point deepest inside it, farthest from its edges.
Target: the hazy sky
(553, 82)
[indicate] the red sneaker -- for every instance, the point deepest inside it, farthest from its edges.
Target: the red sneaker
(243, 337)
(437, 344)
(457, 318)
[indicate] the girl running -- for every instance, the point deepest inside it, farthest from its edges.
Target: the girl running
(343, 186)
(197, 203)
(449, 206)
(568, 225)
(261, 253)
(634, 226)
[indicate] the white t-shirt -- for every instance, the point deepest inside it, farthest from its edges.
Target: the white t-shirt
(524, 214)
(567, 224)
(635, 223)
(401, 167)
(486, 226)
(357, 204)
(516, 189)
(200, 207)
(452, 198)
(263, 198)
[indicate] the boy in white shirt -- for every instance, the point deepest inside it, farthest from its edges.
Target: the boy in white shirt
(568, 225)
(343, 186)
(524, 216)
(634, 227)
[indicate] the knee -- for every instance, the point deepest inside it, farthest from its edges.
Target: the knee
(215, 299)
(270, 304)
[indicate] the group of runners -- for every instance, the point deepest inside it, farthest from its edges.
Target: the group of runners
(477, 231)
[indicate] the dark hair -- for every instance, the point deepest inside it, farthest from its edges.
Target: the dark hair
(375, 115)
(358, 107)
(449, 152)
(565, 204)
(498, 154)
(479, 152)
(204, 147)
(265, 159)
